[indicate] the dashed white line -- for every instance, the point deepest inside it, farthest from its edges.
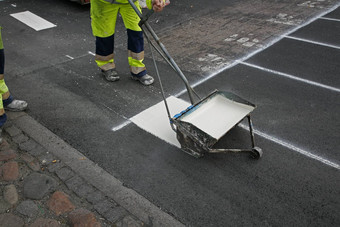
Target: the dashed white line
(313, 42)
(122, 125)
(294, 148)
(328, 18)
(291, 77)
(69, 57)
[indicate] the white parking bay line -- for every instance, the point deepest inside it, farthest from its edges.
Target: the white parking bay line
(291, 77)
(328, 18)
(294, 148)
(155, 119)
(33, 21)
(313, 42)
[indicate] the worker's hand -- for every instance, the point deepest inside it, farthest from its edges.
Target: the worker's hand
(158, 5)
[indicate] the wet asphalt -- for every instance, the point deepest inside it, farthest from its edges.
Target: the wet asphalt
(296, 121)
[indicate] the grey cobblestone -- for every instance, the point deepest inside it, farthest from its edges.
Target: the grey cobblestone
(46, 158)
(104, 206)
(115, 214)
(28, 145)
(21, 138)
(83, 190)
(74, 182)
(129, 221)
(65, 173)
(53, 167)
(95, 197)
(13, 131)
(39, 150)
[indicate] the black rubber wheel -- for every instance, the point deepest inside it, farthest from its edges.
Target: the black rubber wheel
(256, 153)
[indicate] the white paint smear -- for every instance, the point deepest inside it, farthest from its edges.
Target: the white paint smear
(217, 115)
(155, 119)
(33, 21)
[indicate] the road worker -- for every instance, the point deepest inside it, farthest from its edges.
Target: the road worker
(6, 100)
(104, 16)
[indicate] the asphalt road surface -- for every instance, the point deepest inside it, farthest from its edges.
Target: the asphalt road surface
(284, 57)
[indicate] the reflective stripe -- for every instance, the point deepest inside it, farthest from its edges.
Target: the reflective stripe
(137, 56)
(136, 70)
(107, 66)
(104, 58)
(5, 95)
(118, 2)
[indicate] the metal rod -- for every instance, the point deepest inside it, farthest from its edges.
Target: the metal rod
(251, 131)
(178, 70)
(161, 85)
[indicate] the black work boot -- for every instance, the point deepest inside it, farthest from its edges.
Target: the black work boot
(110, 75)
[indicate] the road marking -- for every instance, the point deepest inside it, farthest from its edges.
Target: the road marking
(122, 125)
(91, 53)
(69, 57)
(33, 21)
(293, 147)
(213, 74)
(241, 60)
(292, 77)
(155, 119)
(328, 18)
(313, 42)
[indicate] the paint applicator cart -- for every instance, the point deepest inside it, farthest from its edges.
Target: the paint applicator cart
(206, 121)
(203, 124)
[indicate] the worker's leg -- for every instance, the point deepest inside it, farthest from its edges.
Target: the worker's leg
(103, 23)
(2, 66)
(7, 100)
(135, 44)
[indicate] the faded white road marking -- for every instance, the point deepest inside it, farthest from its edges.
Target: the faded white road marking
(292, 77)
(328, 18)
(122, 125)
(294, 148)
(33, 21)
(313, 42)
(69, 57)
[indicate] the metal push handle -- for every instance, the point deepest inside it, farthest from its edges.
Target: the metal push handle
(144, 22)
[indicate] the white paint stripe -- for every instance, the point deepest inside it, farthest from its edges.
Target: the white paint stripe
(32, 20)
(313, 42)
(93, 54)
(328, 18)
(69, 57)
(293, 147)
(260, 49)
(122, 125)
(292, 77)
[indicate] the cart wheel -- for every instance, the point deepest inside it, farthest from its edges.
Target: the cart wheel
(256, 153)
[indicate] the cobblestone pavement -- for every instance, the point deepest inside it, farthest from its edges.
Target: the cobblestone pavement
(37, 189)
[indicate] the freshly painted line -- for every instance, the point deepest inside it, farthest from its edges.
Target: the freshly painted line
(32, 20)
(313, 42)
(328, 18)
(292, 77)
(155, 119)
(122, 125)
(69, 57)
(294, 148)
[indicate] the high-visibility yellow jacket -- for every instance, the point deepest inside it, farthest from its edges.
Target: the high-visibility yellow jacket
(148, 2)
